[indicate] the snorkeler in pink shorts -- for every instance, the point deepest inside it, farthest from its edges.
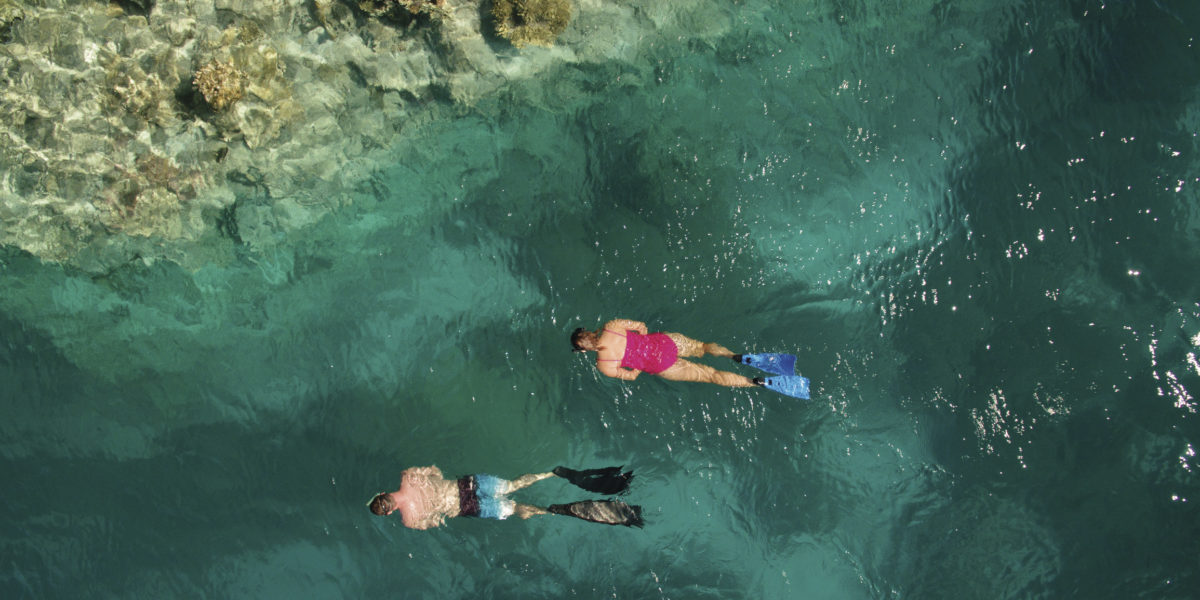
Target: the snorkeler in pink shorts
(626, 349)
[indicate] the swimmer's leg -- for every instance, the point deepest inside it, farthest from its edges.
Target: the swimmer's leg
(684, 370)
(528, 510)
(525, 481)
(689, 347)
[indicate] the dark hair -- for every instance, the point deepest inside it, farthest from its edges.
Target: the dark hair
(576, 337)
(380, 504)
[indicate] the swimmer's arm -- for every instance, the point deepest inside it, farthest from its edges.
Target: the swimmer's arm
(627, 324)
(423, 523)
(612, 370)
(430, 473)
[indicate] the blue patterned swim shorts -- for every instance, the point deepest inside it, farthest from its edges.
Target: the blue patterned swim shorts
(483, 496)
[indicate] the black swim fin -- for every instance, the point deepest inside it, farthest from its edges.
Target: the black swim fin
(609, 480)
(608, 512)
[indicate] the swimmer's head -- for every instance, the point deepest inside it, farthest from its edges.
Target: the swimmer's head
(382, 504)
(583, 340)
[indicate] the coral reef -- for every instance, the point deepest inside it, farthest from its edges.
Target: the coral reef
(178, 129)
(221, 83)
(150, 199)
(397, 8)
(10, 15)
(537, 22)
(244, 65)
(420, 6)
(140, 94)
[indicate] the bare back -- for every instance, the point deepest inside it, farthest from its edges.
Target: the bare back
(612, 344)
(612, 347)
(425, 498)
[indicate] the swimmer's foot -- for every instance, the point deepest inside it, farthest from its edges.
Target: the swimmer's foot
(759, 381)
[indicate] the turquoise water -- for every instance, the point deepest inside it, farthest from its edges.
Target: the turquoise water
(976, 225)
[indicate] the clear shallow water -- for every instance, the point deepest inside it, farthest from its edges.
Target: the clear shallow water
(976, 226)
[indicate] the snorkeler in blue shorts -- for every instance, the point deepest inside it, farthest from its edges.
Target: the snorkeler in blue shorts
(426, 499)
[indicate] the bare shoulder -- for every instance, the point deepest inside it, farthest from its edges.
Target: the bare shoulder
(623, 324)
(430, 472)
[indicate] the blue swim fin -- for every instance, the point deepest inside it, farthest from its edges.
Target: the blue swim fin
(779, 364)
(788, 385)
